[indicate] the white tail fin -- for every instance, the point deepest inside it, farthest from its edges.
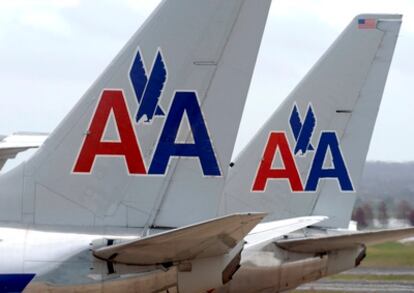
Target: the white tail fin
(308, 158)
(150, 141)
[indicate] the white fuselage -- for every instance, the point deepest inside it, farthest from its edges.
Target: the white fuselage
(65, 260)
(59, 258)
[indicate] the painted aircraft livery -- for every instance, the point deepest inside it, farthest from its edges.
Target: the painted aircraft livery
(327, 150)
(148, 91)
(308, 158)
(73, 219)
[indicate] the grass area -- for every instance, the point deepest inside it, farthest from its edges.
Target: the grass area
(391, 255)
(386, 255)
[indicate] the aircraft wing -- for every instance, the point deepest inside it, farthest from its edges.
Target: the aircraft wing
(265, 232)
(206, 239)
(11, 145)
(336, 242)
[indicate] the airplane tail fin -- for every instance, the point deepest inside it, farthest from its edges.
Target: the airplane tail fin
(149, 143)
(308, 157)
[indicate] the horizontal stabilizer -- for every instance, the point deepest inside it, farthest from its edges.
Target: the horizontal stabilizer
(336, 242)
(11, 145)
(206, 239)
(265, 232)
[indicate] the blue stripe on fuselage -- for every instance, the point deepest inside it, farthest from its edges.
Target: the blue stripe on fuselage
(14, 282)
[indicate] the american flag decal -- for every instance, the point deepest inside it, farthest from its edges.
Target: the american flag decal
(367, 23)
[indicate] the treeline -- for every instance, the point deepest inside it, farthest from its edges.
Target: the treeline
(370, 214)
(385, 195)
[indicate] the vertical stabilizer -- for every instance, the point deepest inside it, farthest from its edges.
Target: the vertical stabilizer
(308, 157)
(150, 141)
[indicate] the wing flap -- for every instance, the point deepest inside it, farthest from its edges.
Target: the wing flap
(206, 239)
(336, 242)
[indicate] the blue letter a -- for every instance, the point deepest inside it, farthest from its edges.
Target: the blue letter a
(339, 171)
(201, 148)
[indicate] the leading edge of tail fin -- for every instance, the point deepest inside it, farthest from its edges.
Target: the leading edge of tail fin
(308, 157)
(150, 141)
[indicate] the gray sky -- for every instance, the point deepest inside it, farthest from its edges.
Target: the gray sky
(52, 50)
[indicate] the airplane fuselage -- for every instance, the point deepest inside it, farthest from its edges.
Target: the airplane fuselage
(64, 260)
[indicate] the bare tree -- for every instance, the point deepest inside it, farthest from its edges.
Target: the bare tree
(359, 216)
(383, 214)
(369, 215)
(411, 217)
(404, 209)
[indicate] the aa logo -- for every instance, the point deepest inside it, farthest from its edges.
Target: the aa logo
(303, 130)
(148, 87)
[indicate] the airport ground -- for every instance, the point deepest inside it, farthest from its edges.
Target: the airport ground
(388, 267)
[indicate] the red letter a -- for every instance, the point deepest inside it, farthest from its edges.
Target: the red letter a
(127, 146)
(277, 141)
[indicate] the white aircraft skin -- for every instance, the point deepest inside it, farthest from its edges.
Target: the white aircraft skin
(60, 258)
(190, 58)
(117, 202)
(63, 260)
